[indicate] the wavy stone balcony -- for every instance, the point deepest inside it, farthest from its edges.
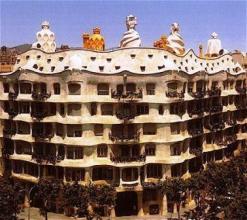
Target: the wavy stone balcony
(125, 115)
(42, 136)
(49, 158)
(39, 115)
(198, 112)
(215, 126)
(196, 132)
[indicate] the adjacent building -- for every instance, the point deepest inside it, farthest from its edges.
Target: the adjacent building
(129, 117)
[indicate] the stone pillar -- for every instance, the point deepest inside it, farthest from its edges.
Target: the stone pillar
(65, 152)
(164, 204)
(139, 175)
(14, 147)
(153, 109)
(194, 87)
(106, 132)
(88, 175)
(65, 109)
(64, 175)
(166, 109)
(86, 109)
(139, 203)
(120, 174)
(98, 111)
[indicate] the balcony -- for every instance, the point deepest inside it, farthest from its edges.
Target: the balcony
(241, 90)
(195, 131)
(40, 96)
(231, 122)
(214, 92)
(42, 136)
(13, 95)
(230, 138)
(175, 94)
(131, 95)
(221, 142)
(12, 112)
(196, 151)
(46, 158)
(125, 138)
(198, 94)
(128, 159)
(198, 112)
(38, 115)
(215, 126)
(216, 108)
(125, 115)
(9, 131)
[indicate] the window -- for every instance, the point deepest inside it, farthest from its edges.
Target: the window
(56, 87)
(74, 89)
(17, 166)
(150, 149)
(24, 108)
(74, 130)
(107, 109)
(5, 87)
(154, 171)
(23, 148)
(103, 89)
(190, 87)
(149, 129)
(150, 89)
(102, 173)
(129, 174)
(98, 130)
(161, 109)
(130, 87)
(74, 174)
(102, 150)
(74, 152)
(23, 128)
(142, 109)
(175, 149)
(59, 130)
(175, 129)
(172, 87)
(74, 109)
(93, 109)
(25, 88)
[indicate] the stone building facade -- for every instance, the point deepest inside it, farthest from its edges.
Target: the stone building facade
(128, 117)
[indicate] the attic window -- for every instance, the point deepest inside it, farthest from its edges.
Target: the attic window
(161, 67)
(27, 57)
(93, 58)
(108, 60)
(212, 68)
(84, 67)
(48, 60)
(179, 67)
(117, 67)
(165, 57)
(142, 68)
(190, 55)
(150, 56)
(192, 68)
(196, 60)
(207, 64)
(66, 67)
(52, 68)
(41, 68)
(218, 63)
(222, 61)
(132, 56)
(201, 64)
(174, 61)
(186, 68)
(186, 60)
(60, 59)
(101, 68)
(35, 66)
(18, 61)
(181, 63)
(227, 59)
(212, 64)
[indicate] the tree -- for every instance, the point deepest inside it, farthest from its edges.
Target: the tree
(175, 189)
(47, 191)
(11, 196)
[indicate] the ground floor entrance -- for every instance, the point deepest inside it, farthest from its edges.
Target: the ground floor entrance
(126, 204)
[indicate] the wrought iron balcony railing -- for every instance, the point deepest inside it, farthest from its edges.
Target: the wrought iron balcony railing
(128, 95)
(198, 94)
(198, 112)
(42, 136)
(215, 126)
(9, 131)
(127, 159)
(230, 138)
(241, 90)
(12, 112)
(175, 94)
(195, 132)
(125, 138)
(221, 142)
(231, 122)
(38, 115)
(216, 108)
(196, 151)
(46, 158)
(13, 95)
(40, 96)
(125, 115)
(214, 92)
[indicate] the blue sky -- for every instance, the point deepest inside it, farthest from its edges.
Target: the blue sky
(20, 20)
